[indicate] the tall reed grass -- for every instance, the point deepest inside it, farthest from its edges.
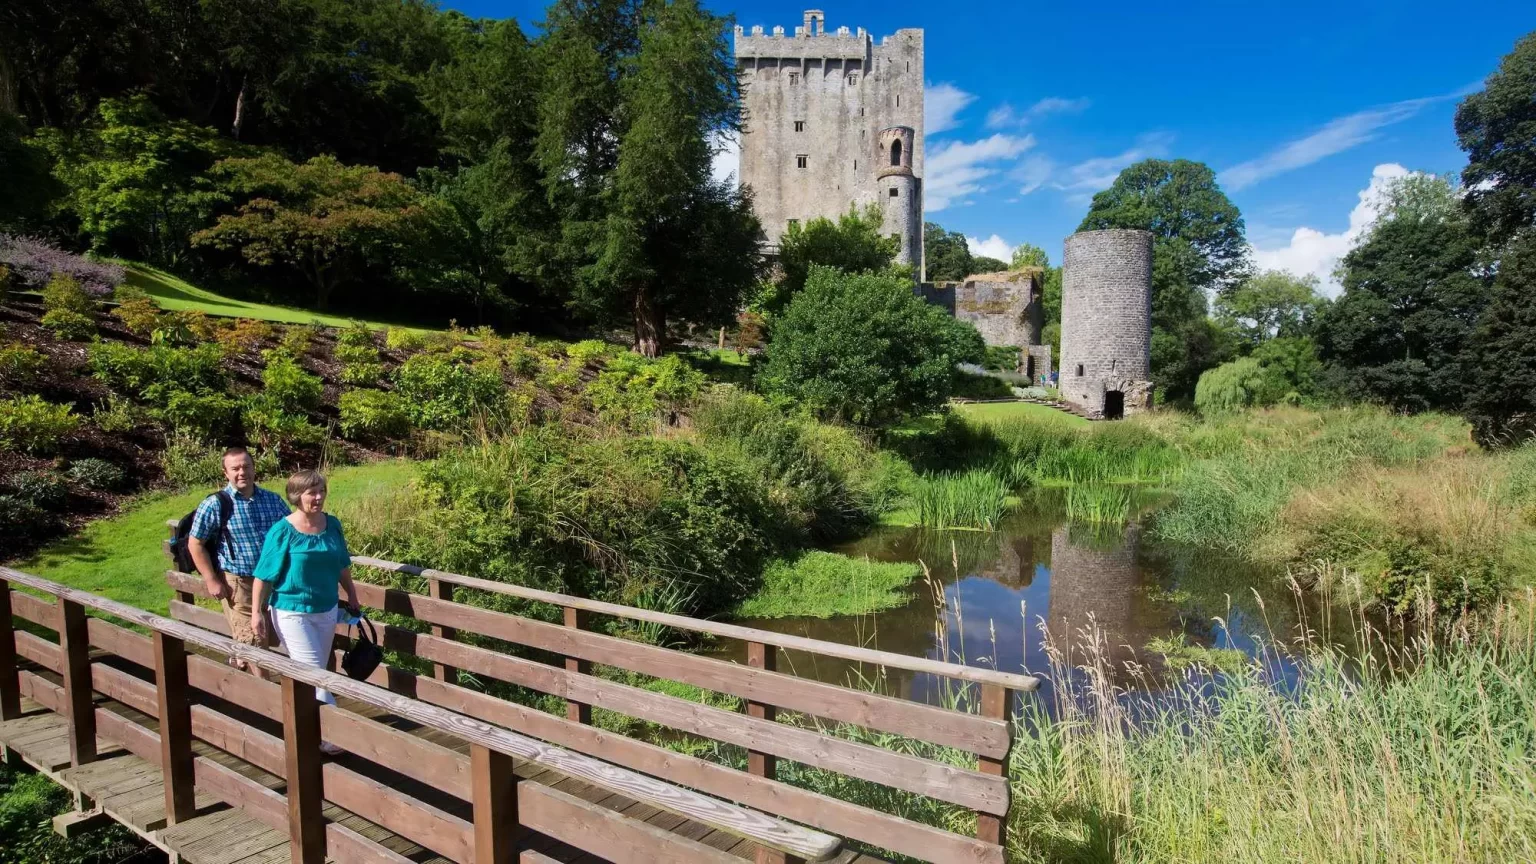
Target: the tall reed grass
(973, 499)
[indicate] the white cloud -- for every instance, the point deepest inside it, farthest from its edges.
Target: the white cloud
(1032, 173)
(992, 247)
(1312, 252)
(1006, 116)
(941, 104)
(727, 161)
(957, 168)
(1337, 136)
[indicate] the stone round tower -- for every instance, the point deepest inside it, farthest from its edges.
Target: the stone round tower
(897, 187)
(1106, 322)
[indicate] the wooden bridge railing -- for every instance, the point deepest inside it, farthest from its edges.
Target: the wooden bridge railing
(157, 675)
(764, 691)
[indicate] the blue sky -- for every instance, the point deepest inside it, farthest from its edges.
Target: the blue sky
(1303, 108)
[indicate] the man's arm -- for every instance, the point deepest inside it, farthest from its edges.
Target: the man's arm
(213, 578)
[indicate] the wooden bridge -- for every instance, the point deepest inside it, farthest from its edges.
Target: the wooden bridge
(218, 766)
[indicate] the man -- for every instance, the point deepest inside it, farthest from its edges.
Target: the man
(255, 511)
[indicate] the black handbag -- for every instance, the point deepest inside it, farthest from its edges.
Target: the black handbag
(364, 654)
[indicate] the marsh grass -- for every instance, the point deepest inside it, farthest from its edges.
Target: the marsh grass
(823, 584)
(973, 499)
(1099, 504)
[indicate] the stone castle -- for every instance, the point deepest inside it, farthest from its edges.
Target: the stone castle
(833, 120)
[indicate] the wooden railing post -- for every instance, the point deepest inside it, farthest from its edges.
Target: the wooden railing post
(10, 682)
(301, 749)
(495, 803)
(183, 596)
(996, 703)
(175, 728)
(761, 656)
(80, 707)
(443, 591)
(577, 712)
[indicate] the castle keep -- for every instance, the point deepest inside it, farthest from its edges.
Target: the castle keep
(833, 120)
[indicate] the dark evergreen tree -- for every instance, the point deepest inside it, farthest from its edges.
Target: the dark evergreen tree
(946, 255)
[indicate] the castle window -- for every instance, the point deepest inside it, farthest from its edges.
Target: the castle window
(801, 160)
(853, 79)
(794, 79)
(799, 125)
(1079, 370)
(909, 65)
(894, 193)
(896, 152)
(855, 164)
(861, 110)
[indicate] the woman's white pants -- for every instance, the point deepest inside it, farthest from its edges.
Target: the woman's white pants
(308, 637)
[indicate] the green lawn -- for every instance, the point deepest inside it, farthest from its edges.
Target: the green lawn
(123, 557)
(174, 293)
(998, 412)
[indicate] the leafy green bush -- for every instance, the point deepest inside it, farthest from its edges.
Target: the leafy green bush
(118, 415)
(28, 423)
(69, 325)
(19, 364)
(43, 489)
(64, 293)
(362, 374)
(357, 335)
(20, 520)
(7, 279)
(189, 462)
(632, 389)
(401, 339)
(443, 394)
(346, 353)
(139, 315)
(1002, 358)
(586, 352)
(97, 474)
(287, 384)
(297, 338)
(139, 371)
(865, 349)
(273, 427)
(206, 415)
(373, 414)
(972, 386)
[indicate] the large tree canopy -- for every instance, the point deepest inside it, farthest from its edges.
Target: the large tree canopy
(852, 244)
(1272, 304)
(946, 255)
(1198, 247)
(1497, 128)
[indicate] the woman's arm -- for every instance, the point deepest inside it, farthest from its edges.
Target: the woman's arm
(346, 583)
(260, 588)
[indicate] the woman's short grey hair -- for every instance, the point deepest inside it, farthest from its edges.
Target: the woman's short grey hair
(302, 482)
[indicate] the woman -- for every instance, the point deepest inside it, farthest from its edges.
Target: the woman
(303, 562)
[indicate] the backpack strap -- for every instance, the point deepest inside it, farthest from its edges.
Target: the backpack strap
(226, 510)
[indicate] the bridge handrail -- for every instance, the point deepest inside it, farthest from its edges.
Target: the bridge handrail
(838, 650)
(767, 831)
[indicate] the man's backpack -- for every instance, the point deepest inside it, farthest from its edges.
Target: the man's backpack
(181, 555)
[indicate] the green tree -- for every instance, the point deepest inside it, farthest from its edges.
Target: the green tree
(635, 95)
(1496, 127)
(28, 176)
(474, 225)
(983, 264)
(852, 244)
(1501, 403)
(1271, 304)
(946, 255)
(863, 348)
(1198, 247)
(136, 182)
(1400, 333)
(1028, 255)
(321, 218)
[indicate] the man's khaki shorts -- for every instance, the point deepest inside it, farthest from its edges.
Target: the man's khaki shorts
(237, 611)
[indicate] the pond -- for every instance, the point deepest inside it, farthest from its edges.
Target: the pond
(989, 598)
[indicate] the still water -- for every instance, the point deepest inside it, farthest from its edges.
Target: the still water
(989, 597)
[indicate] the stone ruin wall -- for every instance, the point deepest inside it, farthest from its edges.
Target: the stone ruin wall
(1006, 308)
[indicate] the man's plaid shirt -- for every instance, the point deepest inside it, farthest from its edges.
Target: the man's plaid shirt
(247, 528)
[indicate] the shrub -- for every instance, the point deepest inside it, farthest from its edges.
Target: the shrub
(972, 386)
(189, 462)
(28, 423)
(20, 520)
(585, 352)
(42, 489)
(139, 315)
(118, 415)
(33, 262)
(64, 292)
(287, 385)
(357, 335)
(1242, 383)
(69, 325)
(865, 349)
(275, 428)
(750, 330)
(19, 364)
(297, 338)
(632, 389)
(401, 339)
(1002, 358)
(6, 280)
(373, 414)
(442, 394)
(362, 374)
(143, 372)
(97, 474)
(345, 353)
(246, 334)
(204, 414)
(191, 326)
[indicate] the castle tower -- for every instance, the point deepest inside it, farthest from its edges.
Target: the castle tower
(1106, 323)
(820, 114)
